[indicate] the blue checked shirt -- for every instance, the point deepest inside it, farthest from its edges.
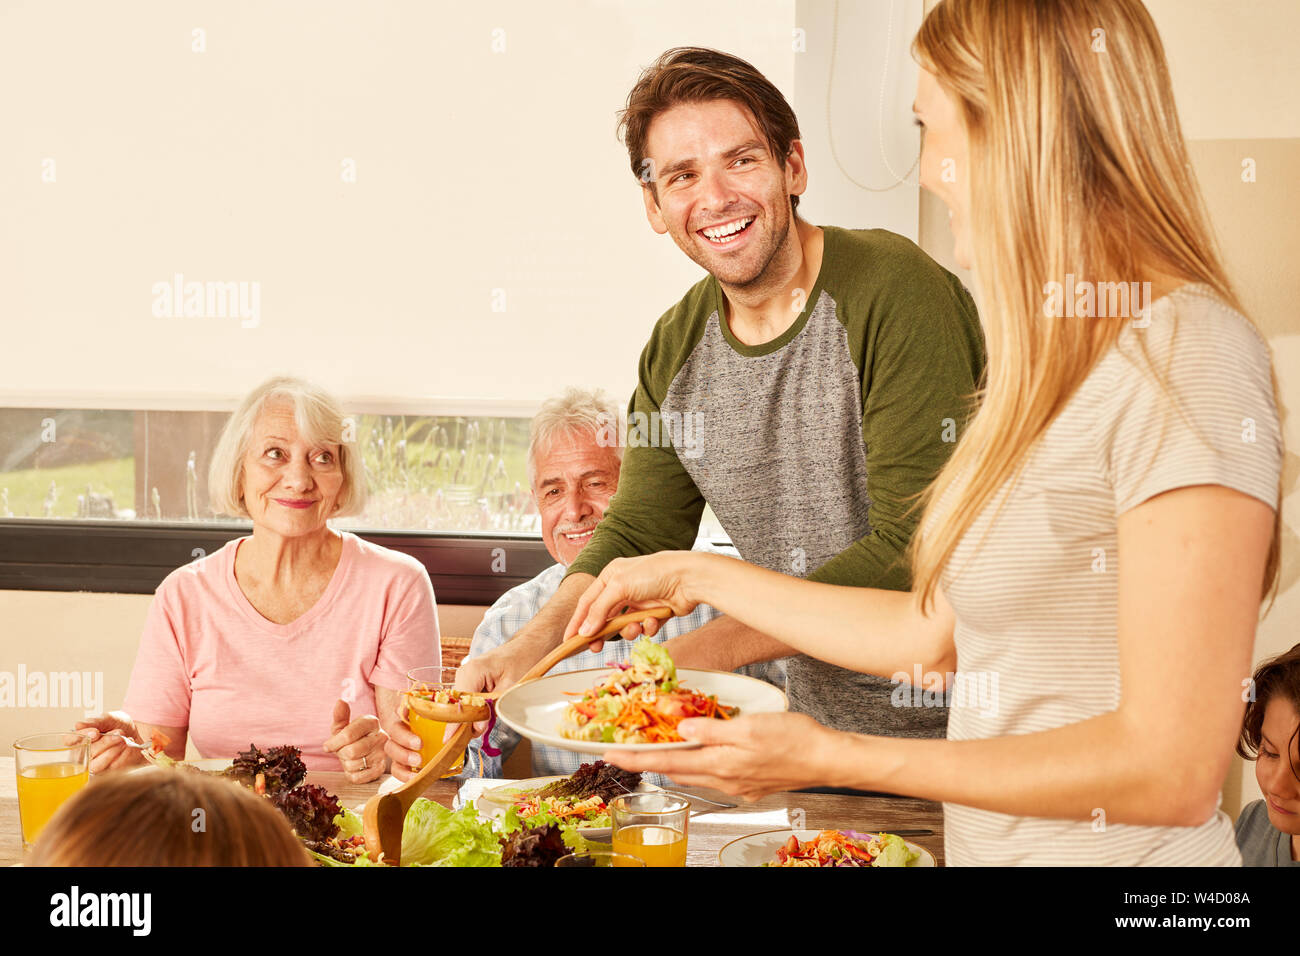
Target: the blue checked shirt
(516, 608)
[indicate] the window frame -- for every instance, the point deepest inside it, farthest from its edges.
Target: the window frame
(133, 557)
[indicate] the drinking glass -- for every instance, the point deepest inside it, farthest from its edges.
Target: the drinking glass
(651, 826)
(50, 768)
(432, 733)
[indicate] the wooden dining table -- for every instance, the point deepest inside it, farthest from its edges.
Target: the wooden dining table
(708, 832)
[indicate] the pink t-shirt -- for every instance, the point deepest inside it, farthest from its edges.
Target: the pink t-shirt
(210, 662)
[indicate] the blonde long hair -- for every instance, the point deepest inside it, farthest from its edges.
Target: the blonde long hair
(1077, 167)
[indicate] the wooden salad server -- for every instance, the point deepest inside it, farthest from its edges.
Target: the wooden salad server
(385, 813)
(578, 642)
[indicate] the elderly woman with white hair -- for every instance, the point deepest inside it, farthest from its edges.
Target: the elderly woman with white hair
(296, 634)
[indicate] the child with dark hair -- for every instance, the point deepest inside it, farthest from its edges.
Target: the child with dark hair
(1268, 830)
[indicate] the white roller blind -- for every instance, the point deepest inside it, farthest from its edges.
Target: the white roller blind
(492, 249)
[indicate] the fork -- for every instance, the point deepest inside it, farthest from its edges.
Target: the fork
(717, 805)
(146, 750)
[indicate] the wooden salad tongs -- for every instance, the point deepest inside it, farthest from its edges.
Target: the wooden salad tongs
(385, 813)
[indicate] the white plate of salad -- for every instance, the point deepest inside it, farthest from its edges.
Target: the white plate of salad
(206, 764)
(823, 848)
(541, 800)
(632, 706)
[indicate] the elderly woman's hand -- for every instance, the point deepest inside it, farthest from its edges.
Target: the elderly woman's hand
(107, 751)
(359, 744)
(404, 750)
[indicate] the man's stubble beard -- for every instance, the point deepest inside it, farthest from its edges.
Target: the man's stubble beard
(755, 283)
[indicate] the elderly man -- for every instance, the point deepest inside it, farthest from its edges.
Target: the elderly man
(573, 471)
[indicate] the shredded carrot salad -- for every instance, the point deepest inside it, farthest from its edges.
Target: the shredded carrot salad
(640, 702)
(565, 809)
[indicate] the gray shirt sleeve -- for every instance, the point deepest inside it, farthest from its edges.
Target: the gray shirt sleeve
(1261, 843)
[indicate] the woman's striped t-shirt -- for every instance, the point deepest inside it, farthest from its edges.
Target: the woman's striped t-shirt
(1035, 592)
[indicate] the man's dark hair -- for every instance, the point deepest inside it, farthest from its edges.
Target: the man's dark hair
(689, 74)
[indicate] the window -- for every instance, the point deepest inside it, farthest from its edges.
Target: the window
(435, 473)
(425, 473)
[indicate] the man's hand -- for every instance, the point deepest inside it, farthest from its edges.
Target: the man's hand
(499, 669)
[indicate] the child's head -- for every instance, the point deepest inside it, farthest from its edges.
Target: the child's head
(159, 817)
(1270, 735)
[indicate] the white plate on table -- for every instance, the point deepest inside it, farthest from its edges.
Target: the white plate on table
(536, 709)
(494, 803)
(759, 848)
(209, 764)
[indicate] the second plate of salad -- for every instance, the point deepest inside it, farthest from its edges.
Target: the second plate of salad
(580, 799)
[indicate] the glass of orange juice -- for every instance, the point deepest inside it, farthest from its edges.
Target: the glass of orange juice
(651, 826)
(432, 733)
(51, 768)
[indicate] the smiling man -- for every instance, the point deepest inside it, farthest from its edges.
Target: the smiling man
(827, 372)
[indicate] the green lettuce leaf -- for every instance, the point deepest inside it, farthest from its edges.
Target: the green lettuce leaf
(436, 836)
(649, 654)
(432, 835)
(895, 852)
(576, 842)
(349, 823)
(512, 821)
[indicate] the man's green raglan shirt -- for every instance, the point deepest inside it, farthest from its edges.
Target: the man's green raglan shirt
(810, 448)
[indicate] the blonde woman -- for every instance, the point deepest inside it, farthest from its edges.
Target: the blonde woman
(1092, 558)
(294, 635)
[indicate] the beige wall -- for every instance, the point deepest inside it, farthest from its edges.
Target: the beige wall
(49, 631)
(854, 83)
(403, 180)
